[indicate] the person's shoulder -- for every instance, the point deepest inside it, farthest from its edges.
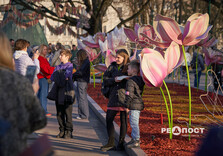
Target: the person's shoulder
(13, 76)
(69, 65)
(113, 64)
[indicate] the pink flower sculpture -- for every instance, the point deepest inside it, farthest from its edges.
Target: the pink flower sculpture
(212, 56)
(93, 41)
(92, 53)
(168, 30)
(136, 37)
(155, 67)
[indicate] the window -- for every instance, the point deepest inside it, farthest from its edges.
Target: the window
(119, 11)
(104, 29)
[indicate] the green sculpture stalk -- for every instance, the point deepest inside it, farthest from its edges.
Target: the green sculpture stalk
(189, 88)
(167, 110)
(171, 109)
(197, 71)
(206, 77)
(92, 68)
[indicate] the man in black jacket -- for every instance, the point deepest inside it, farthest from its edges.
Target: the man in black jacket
(133, 101)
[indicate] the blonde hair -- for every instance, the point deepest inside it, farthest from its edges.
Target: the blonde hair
(41, 47)
(6, 59)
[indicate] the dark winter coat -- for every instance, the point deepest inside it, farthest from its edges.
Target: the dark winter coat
(20, 113)
(117, 89)
(83, 74)
(133, 94)
(58, 89)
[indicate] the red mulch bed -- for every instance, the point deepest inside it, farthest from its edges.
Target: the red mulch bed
(153, 142)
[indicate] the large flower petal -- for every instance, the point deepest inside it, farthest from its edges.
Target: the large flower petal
(147, 30)
(89, 44)
(153, 66)
(130, 34)
(168, 29)
(103, 45)
(136, 27)
(196, 26)
(100, 67)
(172, 56)
(159, 44)
(99, 36)
(109, 58)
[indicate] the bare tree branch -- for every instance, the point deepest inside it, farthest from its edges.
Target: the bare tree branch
(119, 16)
(134, 15)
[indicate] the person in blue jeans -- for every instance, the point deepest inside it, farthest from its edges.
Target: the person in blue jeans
(82, 76)
(133, 101)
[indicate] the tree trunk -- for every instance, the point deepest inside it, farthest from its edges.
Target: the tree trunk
(180, 11)
(162, 9)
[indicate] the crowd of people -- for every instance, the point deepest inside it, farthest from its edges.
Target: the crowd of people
(25, 104)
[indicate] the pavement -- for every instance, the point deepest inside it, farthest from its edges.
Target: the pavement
(88, 136)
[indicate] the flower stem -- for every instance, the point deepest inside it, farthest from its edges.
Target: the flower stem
(206, 77)
(189, 88)
(197, 71)
(167, 110)
(92, 68)
(171, 109)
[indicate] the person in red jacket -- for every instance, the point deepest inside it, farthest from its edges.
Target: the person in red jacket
(45, 73)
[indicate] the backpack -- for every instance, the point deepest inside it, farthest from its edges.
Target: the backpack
(105, 90)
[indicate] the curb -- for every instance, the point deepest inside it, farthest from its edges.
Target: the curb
(102, 116)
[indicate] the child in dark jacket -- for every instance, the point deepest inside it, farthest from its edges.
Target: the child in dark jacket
(133, 101)
(64, 109)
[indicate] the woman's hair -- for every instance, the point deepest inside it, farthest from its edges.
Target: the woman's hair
(66, 52)
(20, 44)
(124, 53)
(6, 59)
(81, 56)
(41, 47)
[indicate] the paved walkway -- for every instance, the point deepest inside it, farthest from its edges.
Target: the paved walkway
(89, 136)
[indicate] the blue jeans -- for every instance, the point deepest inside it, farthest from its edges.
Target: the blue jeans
(43, 92)
(81, 95)
(134, 123)
(195, 78)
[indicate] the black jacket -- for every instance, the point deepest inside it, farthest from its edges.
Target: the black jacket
(83, 74)
(133, 94)
(117, 89)
(58, 89)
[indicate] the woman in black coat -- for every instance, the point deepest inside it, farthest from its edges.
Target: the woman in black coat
(117, 94)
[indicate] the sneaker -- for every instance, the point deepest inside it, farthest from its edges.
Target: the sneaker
(60, 135)
(78, 117)
(48, 114)
(68, 135)
(135, 143)
(107, 147)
